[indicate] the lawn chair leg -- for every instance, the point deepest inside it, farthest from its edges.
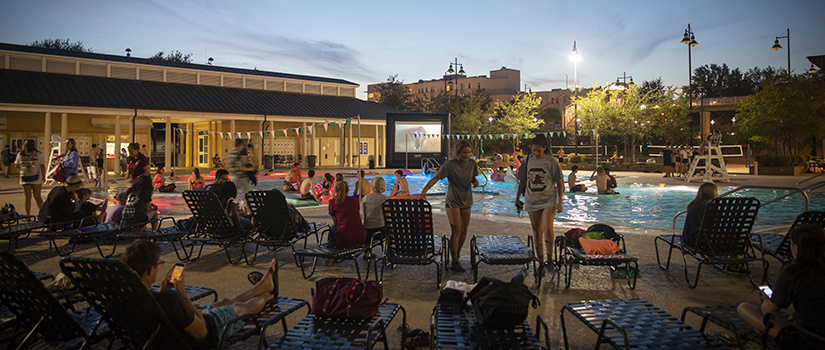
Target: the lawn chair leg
(473, 258)
(669, 253)
(301, 265)
(698, 270)
(182, 248)
(254, 255)
(632, 284)
(569, 265)
(200, 251)
(357, 269)
(226, 250)
(563, 328)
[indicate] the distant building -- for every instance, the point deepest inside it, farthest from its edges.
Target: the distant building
(501, 85)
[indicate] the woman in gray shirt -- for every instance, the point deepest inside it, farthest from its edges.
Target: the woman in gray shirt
(461, 174)
(540, 180)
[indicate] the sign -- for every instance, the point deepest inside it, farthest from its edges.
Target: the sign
(364, 150)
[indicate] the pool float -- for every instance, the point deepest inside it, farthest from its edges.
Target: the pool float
(510, 178)
(406, 172)
(494, 177)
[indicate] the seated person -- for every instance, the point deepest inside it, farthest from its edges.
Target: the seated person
(347, 229)
(292, 181)
(362, 185)
(139, 207)
(401, 187)
(159, 183)
(560, 154)
(611, 181)
(373, 205)
(323, 191)
(695, 213)
(98, 211)
(216, 161)
(571, 181)
(59, 205)
(196, 180)
(226, 191)
(306, 186)
(203, 324)
(799, 284)
(601, 181)
(116, 213)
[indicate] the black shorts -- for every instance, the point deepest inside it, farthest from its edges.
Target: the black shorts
(99, 162)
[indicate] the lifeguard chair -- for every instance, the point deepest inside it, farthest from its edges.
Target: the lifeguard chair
(713, 164)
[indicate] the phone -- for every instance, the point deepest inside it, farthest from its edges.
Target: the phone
(767, 290)
(176, 272)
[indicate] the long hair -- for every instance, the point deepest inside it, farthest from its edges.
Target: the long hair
(706, 192)
(341, 192)
(810, 254)
(29, 147)
(379, 185)
(142, 184)
(197, 172)
(74, 145)
(460, 145)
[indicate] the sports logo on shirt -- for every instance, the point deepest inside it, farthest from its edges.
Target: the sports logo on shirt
(537, 179)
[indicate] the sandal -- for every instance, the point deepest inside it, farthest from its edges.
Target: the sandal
(254, 277)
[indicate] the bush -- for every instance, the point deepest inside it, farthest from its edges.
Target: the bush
(574, 158)
(588, 159)
(781, 160)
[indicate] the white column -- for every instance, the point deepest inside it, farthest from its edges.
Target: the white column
(349, 146)
(117, 145)
(47, 134)
(64, 130)
(304, 148)
(375, 145)
(384, 145)
(167, 142)
(343, 145)
(312, 150)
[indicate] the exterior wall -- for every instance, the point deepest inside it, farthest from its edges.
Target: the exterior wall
(501, 85)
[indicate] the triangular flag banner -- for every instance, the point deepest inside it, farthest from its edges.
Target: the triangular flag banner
(286, 132)
(580, 132)
(349, 121)
(332, 124)
(326, 126)
(310, 128)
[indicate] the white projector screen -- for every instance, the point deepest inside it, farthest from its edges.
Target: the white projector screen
(405, 141)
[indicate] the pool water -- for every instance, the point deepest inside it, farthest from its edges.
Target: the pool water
(640, 205)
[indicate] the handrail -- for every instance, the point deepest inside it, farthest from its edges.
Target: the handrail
(792, 189)
(810, 178)
(814, 186)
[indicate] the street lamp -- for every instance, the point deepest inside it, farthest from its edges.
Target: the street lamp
(778, 47)
(624, 78)
(452, 71)
(689, 40)
(575, 57)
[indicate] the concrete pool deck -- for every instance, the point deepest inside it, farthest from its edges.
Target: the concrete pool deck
(665, 289)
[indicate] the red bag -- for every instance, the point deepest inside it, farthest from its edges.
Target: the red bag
(58, 174)
(346, 298)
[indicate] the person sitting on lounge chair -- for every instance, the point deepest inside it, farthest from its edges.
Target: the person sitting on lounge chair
(203, 323)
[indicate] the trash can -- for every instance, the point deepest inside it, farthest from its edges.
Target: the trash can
(372, 162)
(311, 161)
(268, 162)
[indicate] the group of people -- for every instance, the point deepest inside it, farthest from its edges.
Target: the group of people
(676, 159)
(605, 183)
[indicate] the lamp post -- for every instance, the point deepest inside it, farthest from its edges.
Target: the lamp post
(778, 47)
(458, 65)
(624, 78)
(689, 40)
(574, 56)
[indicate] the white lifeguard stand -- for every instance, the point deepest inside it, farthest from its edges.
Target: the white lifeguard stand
(53, 161)
(714, 171)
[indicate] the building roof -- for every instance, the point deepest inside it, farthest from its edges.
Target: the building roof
(162, 63)
(73, 90)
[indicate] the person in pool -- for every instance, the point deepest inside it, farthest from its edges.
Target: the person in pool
(601, 181)
(402, 187)
(461, 174)
(571, 181)
(540, 180)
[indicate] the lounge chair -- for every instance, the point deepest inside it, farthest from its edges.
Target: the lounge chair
(635, 323)
(325, 251)
(273, 223)
(324, 333)
(453, 326)
(78, 231)
(568, 256)
(727, 317)
(779, 246)
(40, 315)
(503, 250)
(410, 238)
(213, 225)
(724, 237)
(18, 228)
(117, 294)
(171, 233)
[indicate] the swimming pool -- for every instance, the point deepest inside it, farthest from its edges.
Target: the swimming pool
(641, 205)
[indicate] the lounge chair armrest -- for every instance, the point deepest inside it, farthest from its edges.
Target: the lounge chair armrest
(619, 328)
(246, 318)
(377, 325)
(279, 317)
(542, 324)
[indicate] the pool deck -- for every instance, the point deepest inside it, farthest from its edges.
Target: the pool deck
(665, 289)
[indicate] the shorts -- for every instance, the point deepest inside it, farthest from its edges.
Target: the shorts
(450, 206)
(685, 161)
(307, 196)
(99, 162)
(220, 317)
(577, 188)
(291, 186)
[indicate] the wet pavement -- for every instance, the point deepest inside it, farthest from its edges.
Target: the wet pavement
(414, 286)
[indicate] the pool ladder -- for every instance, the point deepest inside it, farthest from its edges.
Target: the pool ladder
(793, 190)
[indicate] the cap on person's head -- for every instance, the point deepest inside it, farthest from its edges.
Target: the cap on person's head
(221, 172)
(73, 180)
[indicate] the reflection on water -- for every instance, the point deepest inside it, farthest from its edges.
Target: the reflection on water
(641, 205)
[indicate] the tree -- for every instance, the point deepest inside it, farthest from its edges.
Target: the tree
(721, 81)
(174, 56)
(785, 113)
(517, 116)
(393, 93)
(61, 45)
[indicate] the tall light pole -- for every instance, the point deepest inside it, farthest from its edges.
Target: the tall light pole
(574, 56)
(460, 66)
(778, 47)
(690, 41)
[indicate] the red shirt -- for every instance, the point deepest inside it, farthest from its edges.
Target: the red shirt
(136, 165)
(350, 230)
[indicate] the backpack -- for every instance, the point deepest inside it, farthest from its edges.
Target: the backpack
(185, 225)
(607, 231)
(8, 212)
(572, 236)
(501, 305)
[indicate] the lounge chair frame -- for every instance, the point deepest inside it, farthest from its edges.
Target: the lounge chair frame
(171, 233)
(213, 225)
(77, 230)
(453, 326)
(409, 237)
(272, 222)
(779, 246)
(569, 256)
(17, 228)
(503, 250)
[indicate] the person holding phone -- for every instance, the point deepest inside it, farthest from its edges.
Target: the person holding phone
(799, 284)
(203, 323)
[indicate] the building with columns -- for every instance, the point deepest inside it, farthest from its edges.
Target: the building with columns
(112, 100)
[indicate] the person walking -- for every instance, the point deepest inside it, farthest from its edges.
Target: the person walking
(6, 154)
(32, 169)
(542, 184)
(461, 174)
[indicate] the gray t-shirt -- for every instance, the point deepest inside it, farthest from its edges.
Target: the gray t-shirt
(373, 210)
(460, 177)
(541, 176)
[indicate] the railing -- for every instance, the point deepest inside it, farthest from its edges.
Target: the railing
(810, 178)
(792, 190)
(430, 163)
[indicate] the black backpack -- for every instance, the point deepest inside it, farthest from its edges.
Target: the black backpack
(609, 232)
(8, 212)
(501, 305)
